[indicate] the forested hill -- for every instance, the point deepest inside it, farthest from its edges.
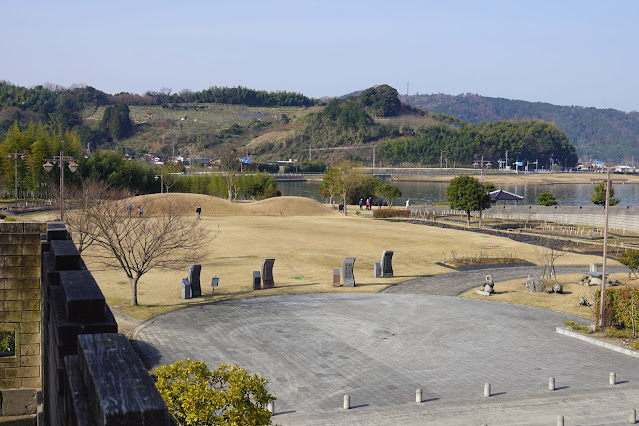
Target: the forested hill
(603, 134)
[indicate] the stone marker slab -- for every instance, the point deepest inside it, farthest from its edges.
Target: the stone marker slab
(257, 280)
(377, 272)
(348, 264)
(387, 264)
(194, 280)
(336, 279)
(267, 273)
(186, 289)
(215, 281)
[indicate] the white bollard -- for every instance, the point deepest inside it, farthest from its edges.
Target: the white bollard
(347, 402)
(418, 396)
(632, 416)
(551, 384)
(487, 390)
(613, 378)
(271, 407)
(560, 421)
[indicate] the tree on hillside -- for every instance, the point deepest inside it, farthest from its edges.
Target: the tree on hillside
(164, 234)
(468, 194)
(598, 196)
(382, 100)
(229, 395)
(116, 121)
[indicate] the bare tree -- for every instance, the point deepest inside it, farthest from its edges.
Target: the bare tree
(228, 166)
(138, 242)
(547, 256)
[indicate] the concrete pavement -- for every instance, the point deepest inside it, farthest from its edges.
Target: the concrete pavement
(379, 348)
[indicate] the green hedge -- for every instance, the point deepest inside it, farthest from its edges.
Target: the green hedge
(7, 341)
(622, 307)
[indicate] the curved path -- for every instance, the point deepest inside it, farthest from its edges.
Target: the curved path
(379, 348)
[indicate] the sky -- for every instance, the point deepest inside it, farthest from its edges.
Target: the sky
(563, 52)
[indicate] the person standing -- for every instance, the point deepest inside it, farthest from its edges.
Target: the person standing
(198, 211)
(368, 203)
(140, 211)
(361, 203)
(129, 209)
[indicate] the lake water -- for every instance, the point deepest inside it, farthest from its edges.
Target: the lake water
(567, 194)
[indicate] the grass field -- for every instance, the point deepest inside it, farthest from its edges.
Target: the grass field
(308, 240)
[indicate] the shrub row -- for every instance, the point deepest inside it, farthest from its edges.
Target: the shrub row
(622, 307)
(388, 213)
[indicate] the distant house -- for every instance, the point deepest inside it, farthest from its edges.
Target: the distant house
(203, 161)
(625, 169)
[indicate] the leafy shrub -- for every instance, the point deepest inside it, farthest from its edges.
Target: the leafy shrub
(546, 199)
(577, 327)
(388, 213)
(622, 308)
(9, 219)
(7, 341)
(197, 396)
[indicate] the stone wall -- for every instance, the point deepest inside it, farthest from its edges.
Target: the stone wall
(620, 217)
(91, 374)
(20, 312)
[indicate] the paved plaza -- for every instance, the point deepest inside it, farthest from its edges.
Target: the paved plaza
(379, 348)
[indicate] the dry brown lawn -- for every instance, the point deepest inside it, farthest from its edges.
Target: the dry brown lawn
(514, 291)
(308, 240)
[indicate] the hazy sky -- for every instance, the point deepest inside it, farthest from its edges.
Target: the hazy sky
(562, 52)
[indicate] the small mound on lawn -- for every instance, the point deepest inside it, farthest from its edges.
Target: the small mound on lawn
(213, 206)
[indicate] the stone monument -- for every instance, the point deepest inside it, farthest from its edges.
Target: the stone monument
(186, 289)
(387, 264)
(489, 287)
(214, 283)
(558, 289)
(377, 273)
(194, 279)
(336, 282)
(535, 285)
(348, 265)
(267, 273)
(257, 280)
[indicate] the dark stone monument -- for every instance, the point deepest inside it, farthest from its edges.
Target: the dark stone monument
(558, 289)
(348, 265)
(194, 279)
(267, 273)
(186, 289)
(257, 280)
(336, 282)
(387, 264)
(377, 273)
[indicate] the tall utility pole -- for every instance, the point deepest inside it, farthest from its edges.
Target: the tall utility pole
(15, 172)
(602, 300)
(506, 159)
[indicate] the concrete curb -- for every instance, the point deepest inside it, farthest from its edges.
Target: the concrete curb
(597, 342)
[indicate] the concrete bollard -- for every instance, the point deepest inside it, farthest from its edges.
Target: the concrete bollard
(487, 390)
(347, 402)
(560, 421)
(632, 416)
(613, 378)
(418, 396)
(551, 384)
(271, 407)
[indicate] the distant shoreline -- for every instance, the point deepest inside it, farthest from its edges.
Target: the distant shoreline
(516, 179)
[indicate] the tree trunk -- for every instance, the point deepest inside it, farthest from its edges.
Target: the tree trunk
(468, 214)
(134, 290)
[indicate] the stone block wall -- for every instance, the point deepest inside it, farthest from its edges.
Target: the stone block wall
(91, 374)
(20, 312)
(621, 218)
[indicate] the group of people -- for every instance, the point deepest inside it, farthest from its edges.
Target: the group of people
(129, 210)
(369, 203)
